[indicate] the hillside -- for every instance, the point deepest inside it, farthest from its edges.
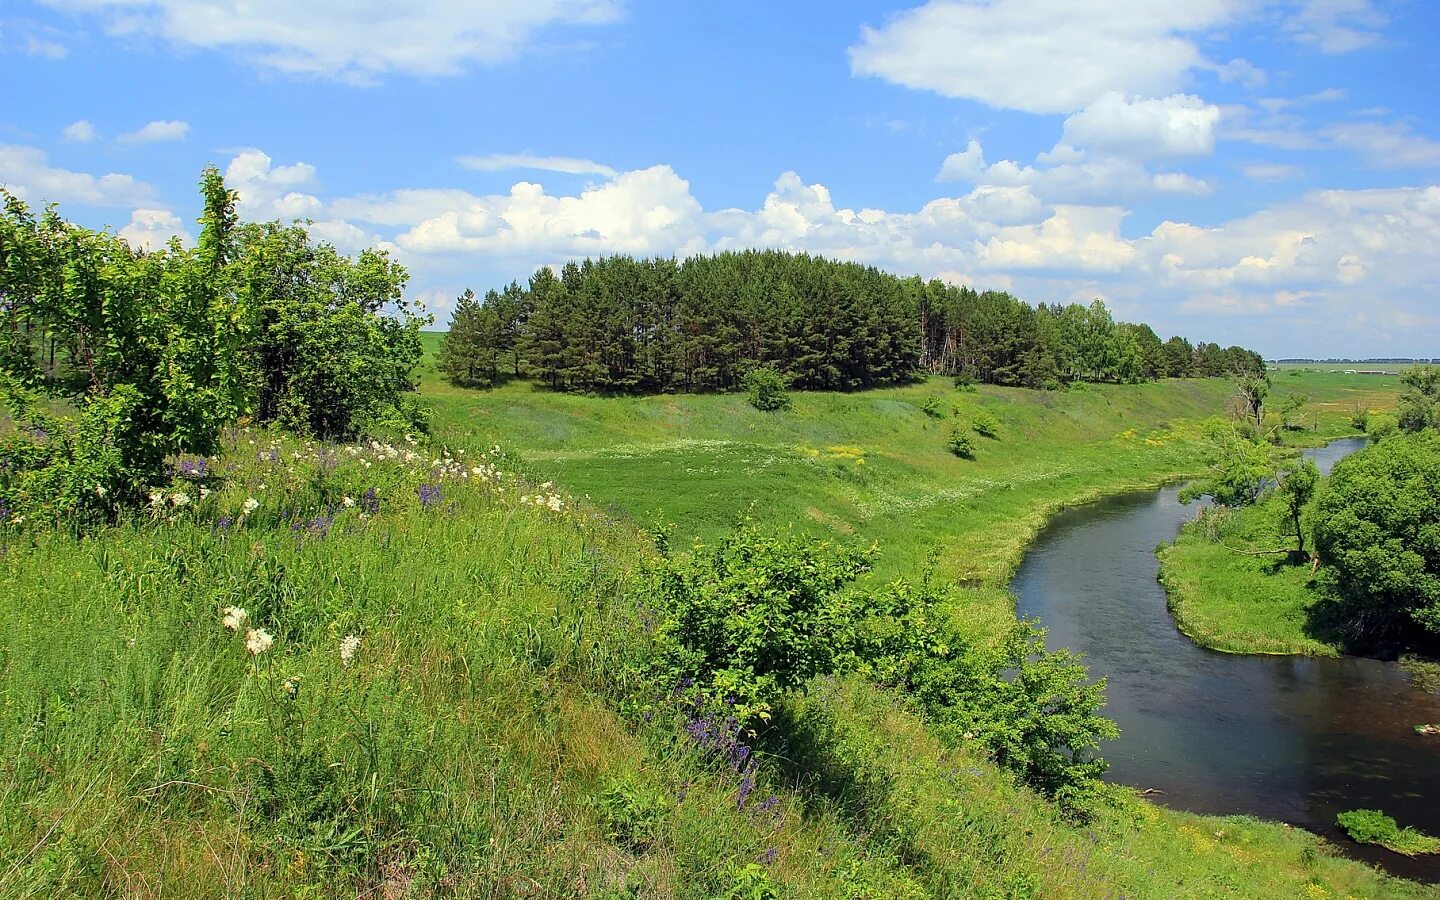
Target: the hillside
(475, 742)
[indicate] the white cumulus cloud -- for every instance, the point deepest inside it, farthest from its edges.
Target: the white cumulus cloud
(1175, 126)
(26, 173)
(157, 132)
(80, 131)
(150, 229)
(1041, 56)
(351, 40)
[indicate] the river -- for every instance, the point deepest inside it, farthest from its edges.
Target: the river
(1287, 738)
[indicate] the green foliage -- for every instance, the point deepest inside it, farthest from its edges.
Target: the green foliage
(633, 814)
(1420, 404)
(1360, 418)
(1377, 529)
(1382, 426)
(1371, 826)
(147, 349)
(1036, 712)
(931, 407)
(767, 389)
(958, 442)
(751, 618)
(329, 357)
(1239, 468)
(1297, 489)
(470, 350)
(985, 424)
(752, 882)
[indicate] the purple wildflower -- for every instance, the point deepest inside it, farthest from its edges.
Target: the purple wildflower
(370, 501)
(747, 787)
(429, 495)
(768, 857)
(223, 523)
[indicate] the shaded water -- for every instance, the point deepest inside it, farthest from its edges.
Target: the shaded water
(1288, 738)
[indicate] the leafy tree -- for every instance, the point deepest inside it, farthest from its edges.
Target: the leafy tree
(1250, 394)
(958, 442)
(1377, 530)
(1419, 403)
(329, 356)
(1240, 467)
(1298, 489)
(148, 348)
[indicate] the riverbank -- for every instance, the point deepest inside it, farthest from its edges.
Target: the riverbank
(1226, 597)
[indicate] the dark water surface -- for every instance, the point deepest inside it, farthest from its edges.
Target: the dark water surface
(1287, 738)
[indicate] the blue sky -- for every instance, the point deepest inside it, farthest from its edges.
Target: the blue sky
(1250, 171)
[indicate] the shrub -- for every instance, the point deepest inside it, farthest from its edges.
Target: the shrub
(752, 882)
(985, 424)
(1360, 418)
(1382, 426)
(753, 617)
(965, 382)
(958, 442)
(633, 814)
(768, 389)
(931, 407)
(1371, 826)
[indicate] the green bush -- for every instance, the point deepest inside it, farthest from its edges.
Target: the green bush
(751, 618)
(1360, 418)
(958, 442)
(768, 389)
(965, 383)
(1371, 826)
(931, 407)
(633, 815)
(985, 424)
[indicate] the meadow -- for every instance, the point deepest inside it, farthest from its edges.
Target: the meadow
(429, 692)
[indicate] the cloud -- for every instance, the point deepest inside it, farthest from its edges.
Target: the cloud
(267, 191)
(81, 131)
(498, 162)
(1336, 266)
(1270, 171)
(150, 229)
(1175, 126)
(348, 40)
(156, 132)
(43, 49)
(25, 172)
(1391, 146)
(1336, 26)
(1069, 174)
(1040, 56)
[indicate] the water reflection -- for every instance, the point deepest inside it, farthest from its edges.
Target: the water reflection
(1288, 738)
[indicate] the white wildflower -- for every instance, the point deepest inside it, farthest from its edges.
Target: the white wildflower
(204, 492)
(257, 641)
(232, 617)
(555, 503)
(292, 686)
(157, 498)
(347, 501)
(250, 505)
(179, 498)
(348, 648)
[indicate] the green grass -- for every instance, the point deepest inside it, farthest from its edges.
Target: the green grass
(468, 748)
(1228, 600)
(1370, 826)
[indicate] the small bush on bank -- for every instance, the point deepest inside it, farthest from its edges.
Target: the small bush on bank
(959, 443)
(768, 390)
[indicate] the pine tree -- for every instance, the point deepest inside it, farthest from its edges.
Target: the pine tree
(469, 352)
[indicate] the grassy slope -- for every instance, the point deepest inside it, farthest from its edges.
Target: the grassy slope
(1236, 603)
(470, 739)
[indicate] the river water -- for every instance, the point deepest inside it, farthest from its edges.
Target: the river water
(1287, 738)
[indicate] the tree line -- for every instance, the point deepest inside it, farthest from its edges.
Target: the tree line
(618, 324)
